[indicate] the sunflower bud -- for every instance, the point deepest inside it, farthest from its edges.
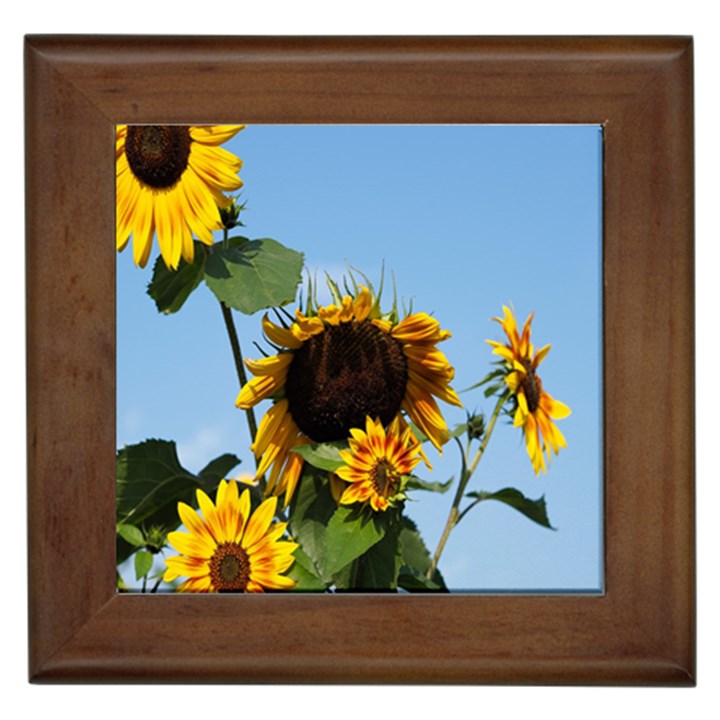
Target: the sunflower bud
(155, 539)
(229, 215)
(476, 426)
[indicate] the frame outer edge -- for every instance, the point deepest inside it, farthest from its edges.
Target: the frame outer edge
(649, 405)
(74, 618)
(67, 332)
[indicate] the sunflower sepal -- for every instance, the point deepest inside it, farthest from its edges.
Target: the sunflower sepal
(475, 426)
(229, 215)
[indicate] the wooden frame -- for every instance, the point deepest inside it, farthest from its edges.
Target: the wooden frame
(642, 631)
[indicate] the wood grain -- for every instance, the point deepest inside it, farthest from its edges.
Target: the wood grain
(642, 631)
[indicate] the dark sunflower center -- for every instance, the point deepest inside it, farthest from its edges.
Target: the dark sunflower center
(532, 387)
(343, 375)
(157, 154)
(384, 478)
(229, 568)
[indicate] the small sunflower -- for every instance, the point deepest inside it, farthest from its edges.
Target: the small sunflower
(227, 549)
(377, 464)
(170, 180)
(535, 409)
(337, 365)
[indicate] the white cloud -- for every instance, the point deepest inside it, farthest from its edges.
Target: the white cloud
(203, 446)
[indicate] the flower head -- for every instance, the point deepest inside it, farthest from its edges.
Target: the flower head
(228, 549)
(377, 465)
(338, 364)
(535, 409)
(170, 181)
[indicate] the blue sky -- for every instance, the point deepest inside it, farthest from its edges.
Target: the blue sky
(467, 218)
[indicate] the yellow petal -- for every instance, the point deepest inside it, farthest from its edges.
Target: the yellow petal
(211, 517)
(259, 522)
(554, 408)
(191, 545)
(187, 567)
(280, 335)
(384, 325)
(258, 389)
(420, 327)
(424, 412)
(307, 326)
(291, 475)
(439, 389)
(214, 134)
(346, 312)
(275, 365)
(268, 427)
(329, 314)
(540, 355)
(513, 380)
(362, 304)
(191, 520)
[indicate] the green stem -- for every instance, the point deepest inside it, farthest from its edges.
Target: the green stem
(237, 356)
(455, 515)
(239, 364)
(156, 585)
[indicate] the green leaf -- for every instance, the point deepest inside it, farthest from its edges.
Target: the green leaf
(310, 512)
(171, 288)
(349, 534)
(255, 275)
(378, 568)
(324, 456)
(416, 561)
(218, 469)
(143, 563)
(150, 482)
(235, 241)
(305, 574)
(331, 536)
(131, 534)
(536, 510)
(498, 372)
(413, 581)
(123, 550)
(415, 483)
(420, 436)
(493, 390)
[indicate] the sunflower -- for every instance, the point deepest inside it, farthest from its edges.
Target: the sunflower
(335, 366)
(170, 180)
(377, 464)
(227, 549)
(535, 409)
